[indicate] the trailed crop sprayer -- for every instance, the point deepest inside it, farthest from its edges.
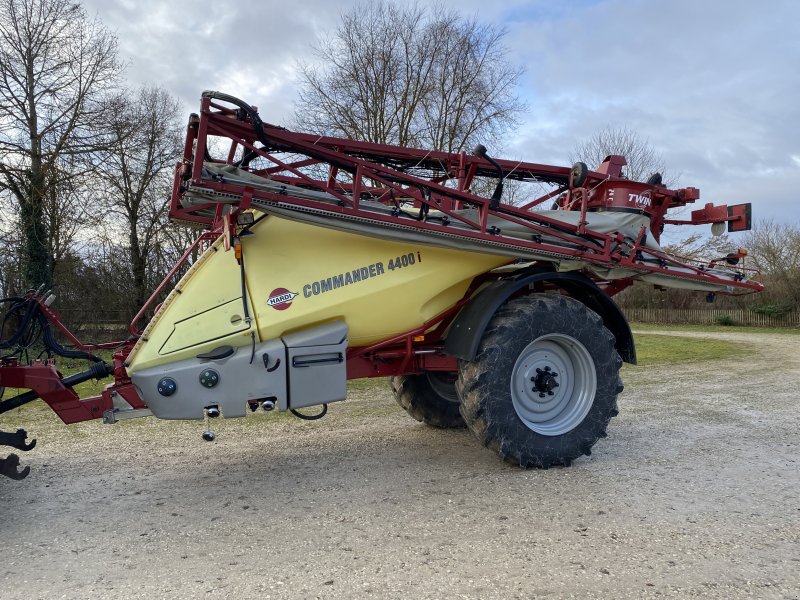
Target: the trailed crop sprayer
(327, 259)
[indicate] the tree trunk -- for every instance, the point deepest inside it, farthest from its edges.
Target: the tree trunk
(139, 272)
(36, 255)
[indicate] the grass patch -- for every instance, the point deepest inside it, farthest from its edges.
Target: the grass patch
(653, 349)
(713, 328)
(368, 385)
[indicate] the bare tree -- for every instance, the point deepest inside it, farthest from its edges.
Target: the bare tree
(136, 173)
(410, 76)
(56, 68)
(643, 159)
(775, 251)
(68, 211)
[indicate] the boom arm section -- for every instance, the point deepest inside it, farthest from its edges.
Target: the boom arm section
(599, 222)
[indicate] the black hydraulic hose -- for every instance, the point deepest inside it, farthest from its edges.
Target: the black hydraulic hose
(258, 124)
(247, 157)
(33, 315)
(26, 320)
(97, 371)
(247, 318)
(51, 343)
(244, 284)
(319, 415)
(494, 202)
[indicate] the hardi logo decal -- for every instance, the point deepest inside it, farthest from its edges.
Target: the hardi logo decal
(281, 298)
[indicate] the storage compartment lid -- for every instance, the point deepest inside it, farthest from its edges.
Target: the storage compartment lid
(322, 335)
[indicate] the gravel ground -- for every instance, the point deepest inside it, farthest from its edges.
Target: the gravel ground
(693, 494)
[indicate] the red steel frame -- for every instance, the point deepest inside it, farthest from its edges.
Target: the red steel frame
(43, 378)
(383, 173)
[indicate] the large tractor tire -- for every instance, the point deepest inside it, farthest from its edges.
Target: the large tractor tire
(430, 398)
(543, 386)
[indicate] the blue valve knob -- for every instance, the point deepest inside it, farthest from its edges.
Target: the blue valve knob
(209, 378)
(167, 386)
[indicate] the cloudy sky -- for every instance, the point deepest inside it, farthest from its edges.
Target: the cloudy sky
(714, 85)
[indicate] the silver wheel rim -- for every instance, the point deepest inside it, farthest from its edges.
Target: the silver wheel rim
(553, 384)
(444, 385)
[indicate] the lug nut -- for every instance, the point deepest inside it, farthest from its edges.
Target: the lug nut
(268, 406)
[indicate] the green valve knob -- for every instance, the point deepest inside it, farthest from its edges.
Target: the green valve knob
(209, 378)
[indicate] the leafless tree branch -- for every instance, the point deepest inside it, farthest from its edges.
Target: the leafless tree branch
(411, 76)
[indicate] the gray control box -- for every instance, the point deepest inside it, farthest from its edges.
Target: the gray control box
(316, 363)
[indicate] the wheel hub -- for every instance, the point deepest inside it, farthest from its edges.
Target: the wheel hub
(545, 381)
(553, 384)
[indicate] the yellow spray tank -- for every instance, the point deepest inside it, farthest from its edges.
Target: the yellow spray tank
(298, 277)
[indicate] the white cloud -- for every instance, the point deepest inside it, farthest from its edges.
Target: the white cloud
(711, 84)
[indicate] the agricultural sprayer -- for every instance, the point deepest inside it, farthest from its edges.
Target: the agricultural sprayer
(324, 259)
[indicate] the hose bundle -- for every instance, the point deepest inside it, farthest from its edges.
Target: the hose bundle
(26, 326)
